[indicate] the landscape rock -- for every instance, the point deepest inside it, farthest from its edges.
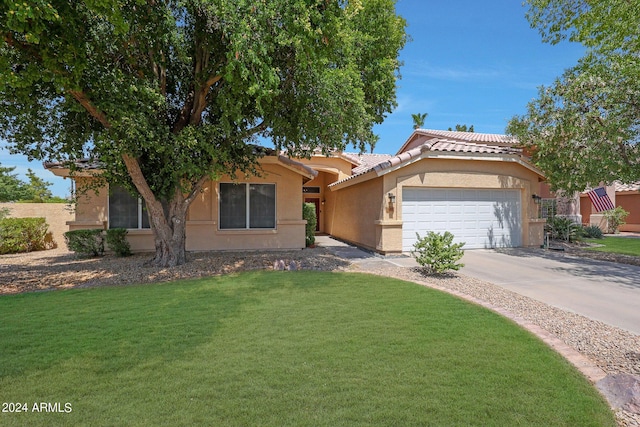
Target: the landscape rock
(622, 391)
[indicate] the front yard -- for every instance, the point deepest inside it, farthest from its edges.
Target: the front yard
(280, 348)
(619, 245)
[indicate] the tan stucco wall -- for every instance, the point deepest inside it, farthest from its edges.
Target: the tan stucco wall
(341, 168)
(202, 219)
(56, 215)
(434, 173)
(354, 213)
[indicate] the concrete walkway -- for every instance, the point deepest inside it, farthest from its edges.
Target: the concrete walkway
(600, 290)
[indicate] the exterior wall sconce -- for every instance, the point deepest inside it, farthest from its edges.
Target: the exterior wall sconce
(537, 199)
(392, 198)
(323, 202)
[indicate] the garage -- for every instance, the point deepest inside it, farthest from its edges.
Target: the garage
(480, 218)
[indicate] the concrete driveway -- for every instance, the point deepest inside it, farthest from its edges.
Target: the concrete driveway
(600, 290)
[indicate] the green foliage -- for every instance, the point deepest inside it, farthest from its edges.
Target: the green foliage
(4, 213)
(584, 128)
(38, 188)
(169, 94)
(418, 119)
(116, 239)
(86, 242)
(563, 228)
(23, 235)
(309, 214)
(592, 232)
(437, 252)
(463, 128)
(615, 218)
(11, 187)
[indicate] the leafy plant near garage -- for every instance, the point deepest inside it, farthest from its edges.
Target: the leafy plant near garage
(615, 218)
(563, 228)
(592, 232)
(437, 253)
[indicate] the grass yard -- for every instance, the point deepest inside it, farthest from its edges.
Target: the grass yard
(618, 245)
(280, 349)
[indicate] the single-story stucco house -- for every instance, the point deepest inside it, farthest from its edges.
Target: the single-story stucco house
(478, 186)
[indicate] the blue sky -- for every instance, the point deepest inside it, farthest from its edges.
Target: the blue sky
(468, 62)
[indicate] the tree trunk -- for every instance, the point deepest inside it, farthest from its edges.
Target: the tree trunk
(168, 220)
(168, 223)
(170, 242)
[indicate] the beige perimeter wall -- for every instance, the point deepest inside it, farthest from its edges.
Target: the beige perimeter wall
(56, 215)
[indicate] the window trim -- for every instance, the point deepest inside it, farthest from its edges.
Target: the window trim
(248, 207)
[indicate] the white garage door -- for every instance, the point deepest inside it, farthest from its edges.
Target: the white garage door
(480, 218)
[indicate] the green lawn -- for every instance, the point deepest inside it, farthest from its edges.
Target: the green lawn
(279, 349)
(618, 245)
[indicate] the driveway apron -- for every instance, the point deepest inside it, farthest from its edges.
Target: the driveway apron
(604, 291)
(600, 290)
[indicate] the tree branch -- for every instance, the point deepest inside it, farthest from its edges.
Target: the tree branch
(86, 103)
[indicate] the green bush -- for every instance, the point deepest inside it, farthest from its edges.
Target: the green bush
(615, 218)
(437, 252)
(117, 241)
(562, 228)
(4, 213)
(23, 235)
(592, 232)
(87, 242)
(309, 213)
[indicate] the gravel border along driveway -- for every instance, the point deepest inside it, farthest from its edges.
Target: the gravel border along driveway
(613, 350)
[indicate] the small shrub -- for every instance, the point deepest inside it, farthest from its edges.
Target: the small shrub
(88, 242)
(437, 252)
(562, 228)
(23, 235)
(309, 213)
(117, 241)
(592, 232)
(615, 218)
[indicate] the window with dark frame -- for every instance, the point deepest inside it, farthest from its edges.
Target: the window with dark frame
(126, 211)
(247, 206)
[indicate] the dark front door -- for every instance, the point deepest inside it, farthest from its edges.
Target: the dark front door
(317, 203)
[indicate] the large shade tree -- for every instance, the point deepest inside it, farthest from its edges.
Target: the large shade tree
(168, 94)
(584, 129)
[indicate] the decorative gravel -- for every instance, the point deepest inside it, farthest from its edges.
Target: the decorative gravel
(612, 349)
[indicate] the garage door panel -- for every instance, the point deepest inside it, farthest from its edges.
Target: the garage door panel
(480, 218)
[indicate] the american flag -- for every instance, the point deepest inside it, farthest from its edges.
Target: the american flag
(600, 199)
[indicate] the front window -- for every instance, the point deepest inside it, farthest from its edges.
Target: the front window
(126, 211)
(247, 206)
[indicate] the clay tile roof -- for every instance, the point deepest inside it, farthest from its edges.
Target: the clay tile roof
(366, 161)
(380, 162)
(633, 186)
(491, 138)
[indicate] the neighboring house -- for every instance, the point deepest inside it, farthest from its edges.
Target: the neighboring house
(627, 196)
(477, 186)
